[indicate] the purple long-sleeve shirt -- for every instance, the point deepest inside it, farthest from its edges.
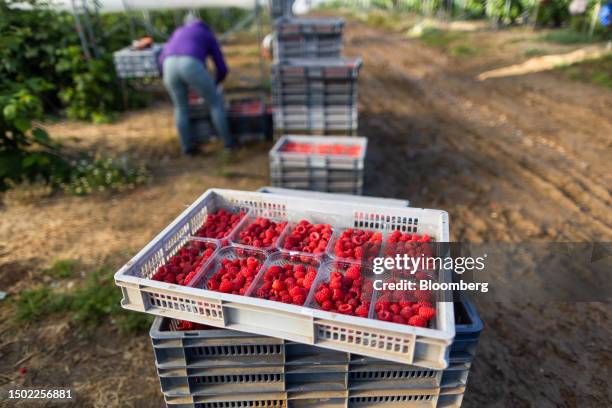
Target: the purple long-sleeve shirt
(198, 41)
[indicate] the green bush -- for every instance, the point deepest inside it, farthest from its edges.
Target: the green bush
(99, 174)
(93, 93)
(553, 12)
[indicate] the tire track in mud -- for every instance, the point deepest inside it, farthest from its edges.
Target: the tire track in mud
(444, 94)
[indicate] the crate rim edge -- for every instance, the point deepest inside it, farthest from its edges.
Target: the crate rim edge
(122, 276)
(361, 141)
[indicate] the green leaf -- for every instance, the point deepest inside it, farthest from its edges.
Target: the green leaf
(10, 111)
(22, 124)
(40, 135)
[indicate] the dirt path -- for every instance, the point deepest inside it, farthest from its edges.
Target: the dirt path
(511, 159)
(536, 148)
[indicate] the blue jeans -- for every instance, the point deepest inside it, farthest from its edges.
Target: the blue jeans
(182, 72)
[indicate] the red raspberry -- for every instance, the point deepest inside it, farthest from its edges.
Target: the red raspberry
(337, 294)
(327, 305)
(361, 311)
(212, 284)
(427, 313)
(398, 319)
(394, 308)
(336, 283)
(278, 285)
(353, 272)
(296, 291)
(417, 321)
(406, 312)
(322, 295)
(298, 299)
(404, 303)
(345, 309)
(413, 245)
(385, 315)
(423, 295)
(309, 279)
(382, 305)
(226, 286)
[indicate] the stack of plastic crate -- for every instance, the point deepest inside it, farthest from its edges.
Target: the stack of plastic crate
(132, 63)
(209, 367)
(248, 118)
(316, 96)
(321, 357)
(332, 164)
(307, 38)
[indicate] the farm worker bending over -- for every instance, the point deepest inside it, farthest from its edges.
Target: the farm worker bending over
(183, 62)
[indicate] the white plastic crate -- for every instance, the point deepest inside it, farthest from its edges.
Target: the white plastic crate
(427, 347)
(131, 63)
(302, 367)
(281, 158)
(222, 380)
(324, 186)
(314, 114)
(307, 46)
(320, 128)
(296, 173)
(215, 348)
(387, 202)
(288, 25)
(427, 398)
(307, 368)
(307, 38)
(323, 68)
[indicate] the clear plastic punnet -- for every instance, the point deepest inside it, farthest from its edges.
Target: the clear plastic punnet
(304, 228)
(228, 254)
(278, 261)
(259, 223)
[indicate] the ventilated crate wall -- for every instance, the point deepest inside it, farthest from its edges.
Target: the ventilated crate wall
(306, 369)
(307, 38)
(130, 63)
(389, 202)
(316, 95)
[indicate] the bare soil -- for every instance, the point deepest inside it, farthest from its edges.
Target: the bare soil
(511, 159)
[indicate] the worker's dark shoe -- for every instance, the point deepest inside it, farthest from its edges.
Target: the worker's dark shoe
(191, 152)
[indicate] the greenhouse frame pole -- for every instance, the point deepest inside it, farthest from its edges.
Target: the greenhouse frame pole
(79, 28)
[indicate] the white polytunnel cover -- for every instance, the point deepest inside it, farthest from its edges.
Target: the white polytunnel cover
(109, 6)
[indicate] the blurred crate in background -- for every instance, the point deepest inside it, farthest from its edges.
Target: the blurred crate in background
(307, 38)
(249, 118)
(316, 95)
(134, 63)
(319, 163)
